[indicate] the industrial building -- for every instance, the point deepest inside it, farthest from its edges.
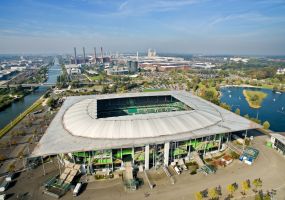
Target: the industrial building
(103, 132)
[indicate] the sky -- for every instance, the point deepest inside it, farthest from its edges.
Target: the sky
(254, 27)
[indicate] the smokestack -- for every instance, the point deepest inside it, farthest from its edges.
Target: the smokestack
(137, 56)
(95, 55)
(84, 55)
(102, 54)
(75, 59)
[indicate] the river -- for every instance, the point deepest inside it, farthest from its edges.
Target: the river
(11, 112)
(272, 110)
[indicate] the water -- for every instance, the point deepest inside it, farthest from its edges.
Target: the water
(272, 110)
(11, 112)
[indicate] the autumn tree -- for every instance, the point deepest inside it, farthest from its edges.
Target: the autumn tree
(266, 125)
(237, 111)
(231, 189)
(213, 193)
(257, 183)
(198, 196)
(245, 186)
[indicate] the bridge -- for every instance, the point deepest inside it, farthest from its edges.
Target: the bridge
(28, 85)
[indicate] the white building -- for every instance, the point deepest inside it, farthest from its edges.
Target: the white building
(18, 68)
(73, 69)
(280, 71)
(238, 59)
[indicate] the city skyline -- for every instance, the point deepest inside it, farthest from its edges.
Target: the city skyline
(185, 26)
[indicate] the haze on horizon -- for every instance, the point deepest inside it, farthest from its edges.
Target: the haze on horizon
(177, 26)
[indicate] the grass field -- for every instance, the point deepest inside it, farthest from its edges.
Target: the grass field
(254, 98)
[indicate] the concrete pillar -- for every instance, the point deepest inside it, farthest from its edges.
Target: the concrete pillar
(146, 157)
(189, 151)
(166, 153)
(153, 156)
(43, 165)
(220, 141)
(133, 154)
(112, 160)
(228, 135)
(243, 146)
(205, 146)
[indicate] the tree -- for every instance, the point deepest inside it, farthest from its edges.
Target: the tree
(266, 125)
(2, 157)
(225, 106)
(11, 168)
(247, 116)
(231, 189)
(257, 183)
(198, 196)
(213, 193)
(237, 111)
(245, 186)
(104, 89)
(258, 197)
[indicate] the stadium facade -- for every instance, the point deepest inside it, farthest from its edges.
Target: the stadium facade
(148, 129)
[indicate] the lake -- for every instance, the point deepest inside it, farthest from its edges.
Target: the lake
(272, 109)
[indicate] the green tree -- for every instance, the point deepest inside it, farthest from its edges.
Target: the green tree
(266, 197)
(257, 183)
(258, 197)
(266, 125)
(188, 86)
(104, 89)
(237, 111)
(246, 116)
(198, 196)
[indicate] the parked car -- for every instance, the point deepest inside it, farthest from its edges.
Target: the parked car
(10, 177)
(77, 189)
(4, 185)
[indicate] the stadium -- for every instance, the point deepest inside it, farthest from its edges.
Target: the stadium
(102, 132)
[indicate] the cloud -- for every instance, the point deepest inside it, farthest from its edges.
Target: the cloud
(140, 7)
(249, 17)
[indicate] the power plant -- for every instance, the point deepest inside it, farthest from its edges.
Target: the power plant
(112, 65)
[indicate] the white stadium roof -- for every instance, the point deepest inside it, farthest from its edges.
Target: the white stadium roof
(77, 128)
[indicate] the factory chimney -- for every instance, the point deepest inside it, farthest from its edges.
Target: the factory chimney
(137, 56)
(102, 54)
(84, 61)
(95, 55)
(75, 59)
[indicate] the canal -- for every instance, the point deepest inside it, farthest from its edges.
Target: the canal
(272, 110)
(11, 112)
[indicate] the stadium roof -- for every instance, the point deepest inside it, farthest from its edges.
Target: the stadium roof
(77, 128)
